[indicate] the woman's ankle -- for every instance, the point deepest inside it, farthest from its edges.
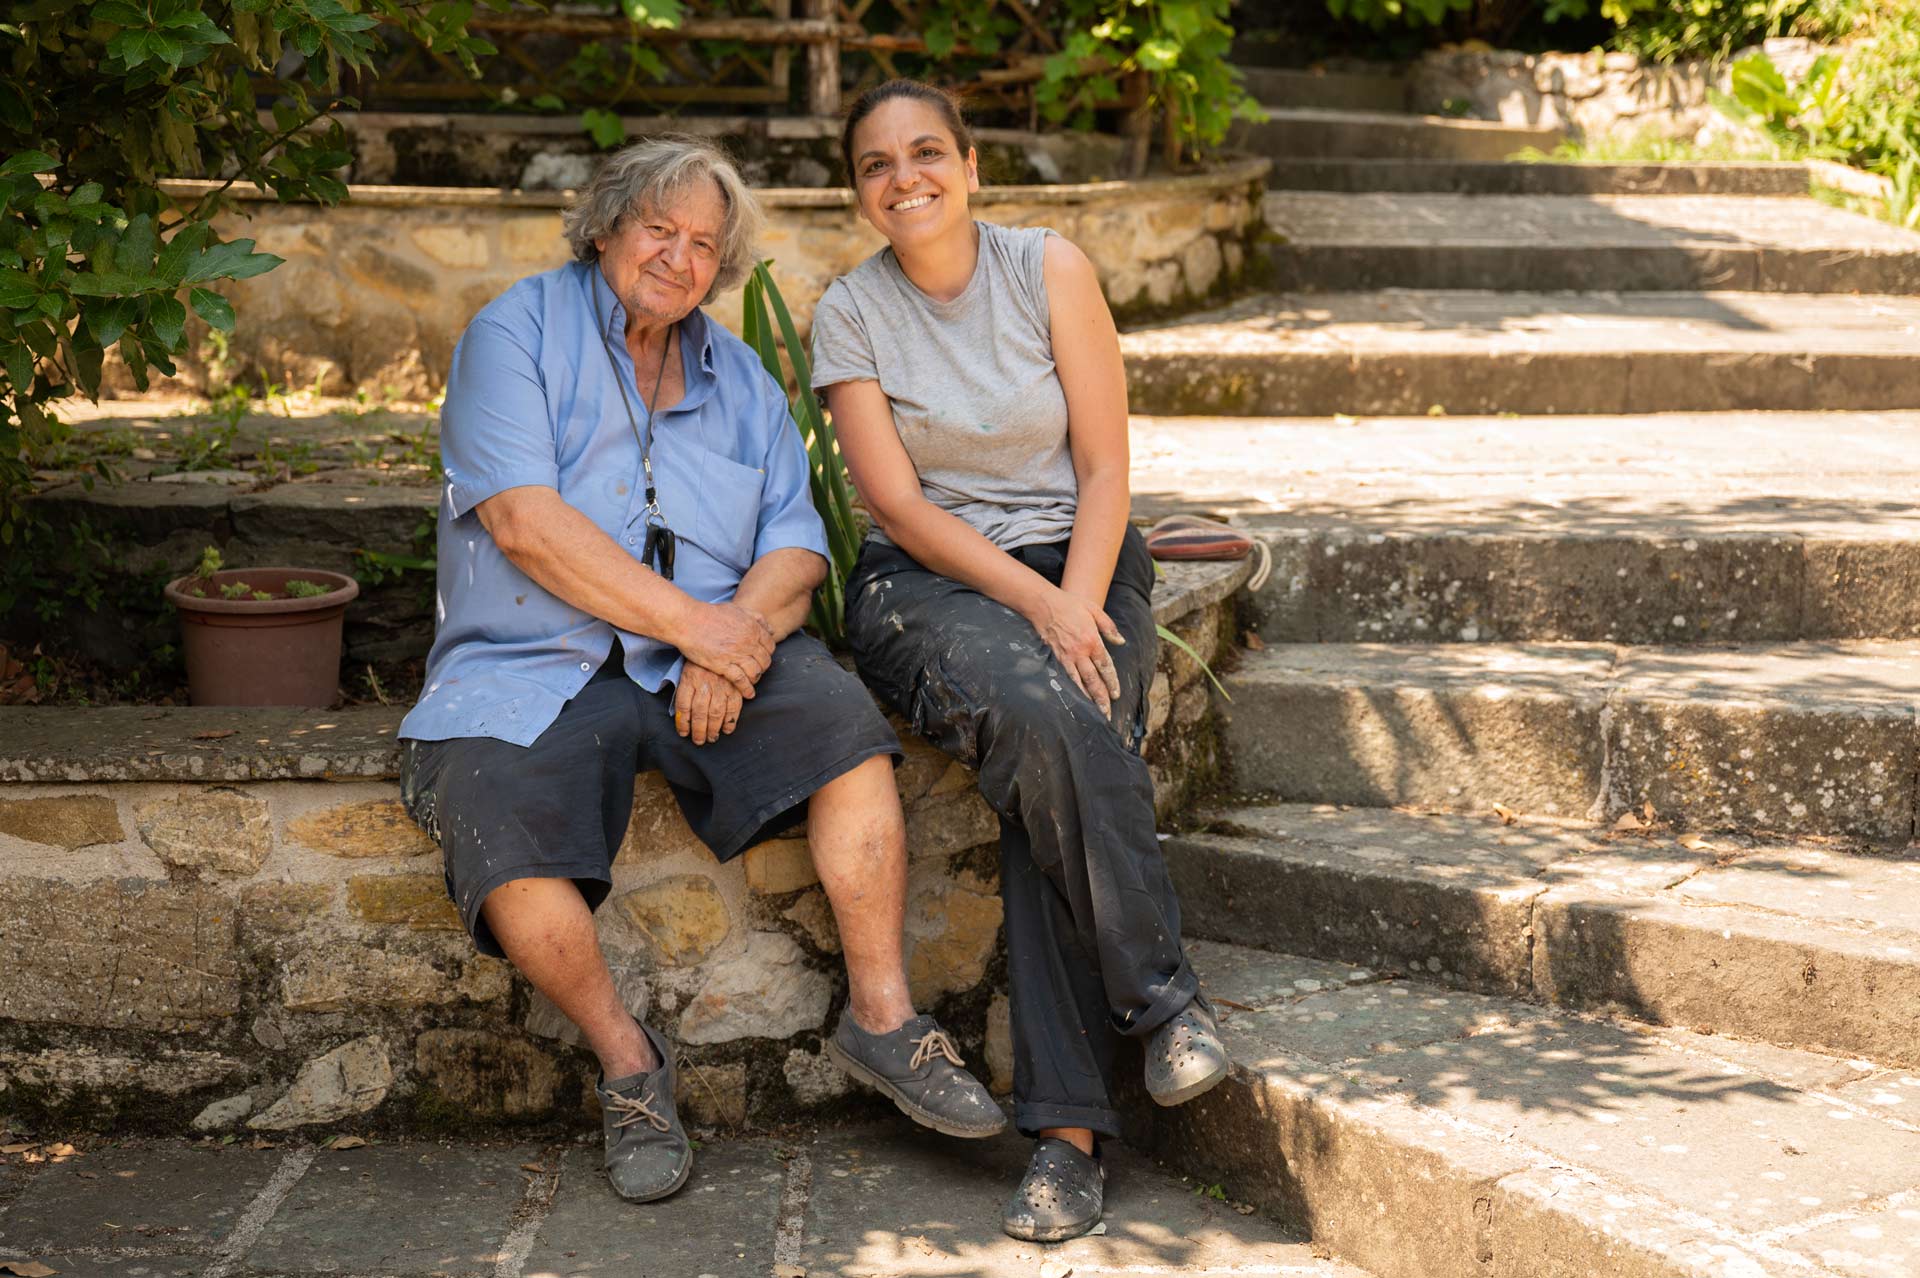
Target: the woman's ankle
(1080, 1138)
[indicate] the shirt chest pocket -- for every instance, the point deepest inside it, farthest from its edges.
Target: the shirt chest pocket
(727, 518)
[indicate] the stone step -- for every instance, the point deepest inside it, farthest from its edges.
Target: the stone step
(1668, 528)
(1796, 945)
(1412, 352)
(859, 1199)
(1314, 87)
(1501, 177)
(1292, 132)
(1790, 739)
(1429, 1133)
(1578, 243)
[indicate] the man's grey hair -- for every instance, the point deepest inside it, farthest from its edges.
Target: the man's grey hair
(652, 174)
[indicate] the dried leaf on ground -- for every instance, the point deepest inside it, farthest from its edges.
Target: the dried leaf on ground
(26, 1269)
(1506, 814)
(1056, 1269)
(1647, 813)
(346, 1142)
(60, 1149)
(1254, 643)
(533, 1167)
(789, 1271)
(1692, 842)
(1628, 821)
(214, 735)
(17, 1149)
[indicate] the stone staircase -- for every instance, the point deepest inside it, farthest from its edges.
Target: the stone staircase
(1561, 899)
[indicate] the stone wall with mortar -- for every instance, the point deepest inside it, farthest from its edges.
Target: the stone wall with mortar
(223, 919)
(375, 294)
(1591, 94)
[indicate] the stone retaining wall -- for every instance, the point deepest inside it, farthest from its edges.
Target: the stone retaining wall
(1590, 94)
(375, 294)
(223, 916)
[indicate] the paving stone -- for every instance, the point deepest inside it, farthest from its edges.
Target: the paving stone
(488, 1075)
(1796, 738)
(162, 743)
(1404, 351)
(119, 953)
(682, 918)
(351, 1079)
(215, 829)
(1561, 913)
(373, 827)
(722, 1223)
(1300, 131)
(334, 977)
(400, 1209)
(67, 821)
(1370, 886)
(167, 1197)
(1355, 1023)
(767, 992)
(1873, 1244)
(1258, 982)
(1813, 883)
(1492, 1151)
(885, 1204)
(1467, 177)
(1741, 1150)
(1744, 972)
(1438, 726)
(1535, 242)
(415, 900)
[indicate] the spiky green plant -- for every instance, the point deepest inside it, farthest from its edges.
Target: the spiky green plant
(766, 318)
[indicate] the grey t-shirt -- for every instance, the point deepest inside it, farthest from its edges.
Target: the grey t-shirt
(975, 396)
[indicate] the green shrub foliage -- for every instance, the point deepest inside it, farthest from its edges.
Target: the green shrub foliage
(101, 102)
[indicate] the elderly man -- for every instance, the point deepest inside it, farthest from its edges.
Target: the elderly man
(627, 549)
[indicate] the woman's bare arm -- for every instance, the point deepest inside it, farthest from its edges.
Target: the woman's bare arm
(1086, 354)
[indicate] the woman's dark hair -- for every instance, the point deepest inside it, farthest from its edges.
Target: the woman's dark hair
(944, 101)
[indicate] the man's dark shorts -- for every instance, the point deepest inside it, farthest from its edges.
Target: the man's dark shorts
(559, 808)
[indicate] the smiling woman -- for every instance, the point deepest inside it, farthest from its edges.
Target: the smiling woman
(1001, 605)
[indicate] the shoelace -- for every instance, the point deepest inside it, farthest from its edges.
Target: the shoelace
(635, 1108)
(933, 1043)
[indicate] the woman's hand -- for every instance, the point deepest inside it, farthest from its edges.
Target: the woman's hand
(1078, 632)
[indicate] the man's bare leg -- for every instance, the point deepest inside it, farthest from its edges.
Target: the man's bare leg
(859, 842)
(546, 929)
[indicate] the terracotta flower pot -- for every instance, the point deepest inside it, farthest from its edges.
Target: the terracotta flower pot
(262, 652)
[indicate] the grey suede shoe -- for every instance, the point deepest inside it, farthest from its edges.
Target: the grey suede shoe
(1060, 1197)
(648, 1156)
(918, 1069)
(1184, 1056)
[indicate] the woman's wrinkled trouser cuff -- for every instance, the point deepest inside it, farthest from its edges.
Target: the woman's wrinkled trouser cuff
(1032, 1119)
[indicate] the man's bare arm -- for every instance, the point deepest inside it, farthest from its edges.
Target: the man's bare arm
(779, 588)
(568, 555)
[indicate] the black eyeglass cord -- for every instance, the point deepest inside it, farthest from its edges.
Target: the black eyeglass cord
(652, 510)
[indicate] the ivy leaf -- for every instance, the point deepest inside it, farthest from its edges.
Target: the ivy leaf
(137, 242)
(184, 244)
(28, 162)
(17, 290)
(108, 319)
(213, 308)
(168, 319)
(234, 260)
(119, 13)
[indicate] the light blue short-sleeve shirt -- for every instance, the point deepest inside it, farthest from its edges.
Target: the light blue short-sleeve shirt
(531, 400)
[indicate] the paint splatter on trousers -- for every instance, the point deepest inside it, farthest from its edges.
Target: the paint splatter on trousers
(1093, 923)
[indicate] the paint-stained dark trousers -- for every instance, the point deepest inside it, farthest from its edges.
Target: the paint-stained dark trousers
(1093, 925)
